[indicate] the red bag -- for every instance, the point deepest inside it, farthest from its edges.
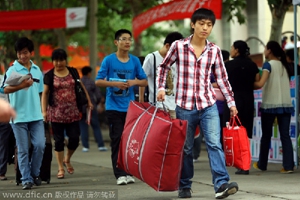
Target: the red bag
(236, 145)
(151, 146)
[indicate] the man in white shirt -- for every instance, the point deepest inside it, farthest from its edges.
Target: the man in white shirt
(154, 59)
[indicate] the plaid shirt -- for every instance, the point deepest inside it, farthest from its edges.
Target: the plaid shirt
(193, 75)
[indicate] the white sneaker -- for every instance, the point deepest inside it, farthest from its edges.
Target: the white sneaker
(130, 179)
(85, 149)
(122, 180)
(102, 149)
(195, 160)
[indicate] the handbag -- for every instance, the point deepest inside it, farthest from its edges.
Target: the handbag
(236, 145)
(81, 98)
(151, 146)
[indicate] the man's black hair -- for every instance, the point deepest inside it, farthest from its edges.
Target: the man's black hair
(292, 38)
(22, 43)
(120, 32)
(171, 37)
(203, 13)
(225, 55)
(141, 58)
(59, 54)
(290, 53)
(86, 70)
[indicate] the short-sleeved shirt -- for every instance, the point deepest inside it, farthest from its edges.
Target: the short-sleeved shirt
(170, 89)
(113, 69)
(64, 108)
(27, 101)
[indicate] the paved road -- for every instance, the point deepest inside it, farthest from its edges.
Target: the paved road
(93, 179)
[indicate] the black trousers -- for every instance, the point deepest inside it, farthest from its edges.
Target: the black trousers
(6, 133)
(72, 131)
(116, 122)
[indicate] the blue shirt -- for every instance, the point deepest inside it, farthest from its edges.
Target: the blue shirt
(113, 68)
(27, 101)
(267, 67)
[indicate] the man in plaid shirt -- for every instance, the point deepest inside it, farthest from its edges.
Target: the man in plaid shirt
(196, 59)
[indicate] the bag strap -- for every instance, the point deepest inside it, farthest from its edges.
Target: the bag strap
(233, 122)
(74, 73)
(154, 82)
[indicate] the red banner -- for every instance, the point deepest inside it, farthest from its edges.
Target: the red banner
(173, 10)
(42, 19)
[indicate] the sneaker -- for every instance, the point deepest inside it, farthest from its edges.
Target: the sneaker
(102, 149)
(37, 181)
(85, 149)
(184, 193)
(195, 160)
(283, 171)
(242, 172)
(227, 189)
(129, 179)
(3, 178)
(255, 166)
(122, 180)
(27, 186)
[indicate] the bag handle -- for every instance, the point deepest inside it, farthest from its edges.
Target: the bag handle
(154, 82)
(233, 121)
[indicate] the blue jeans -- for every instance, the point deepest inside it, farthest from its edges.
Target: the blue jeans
(84, 130)
(267, 120)
(26, 133)
(208, 120)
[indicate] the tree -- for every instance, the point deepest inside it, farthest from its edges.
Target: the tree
(38, 36)
(278, 10)
(234, 9)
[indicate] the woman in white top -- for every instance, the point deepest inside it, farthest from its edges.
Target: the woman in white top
(276, 102)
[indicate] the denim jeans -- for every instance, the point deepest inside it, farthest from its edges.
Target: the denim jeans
(267, 120)
(208, 120)
(26, 133)
(197, 146)
(84, 130)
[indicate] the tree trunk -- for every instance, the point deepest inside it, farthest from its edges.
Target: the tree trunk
(61, 36)
(138, 46)
(276, 27)
(93, 36)
(136, 6)
(37, 57)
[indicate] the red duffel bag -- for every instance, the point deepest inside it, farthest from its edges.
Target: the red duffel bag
(236, 145)
(151, 146)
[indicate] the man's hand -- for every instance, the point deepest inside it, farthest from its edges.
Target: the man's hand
(161, 95)
(131, 82)
(6, 111)
(233, 111)
(27, 83)
(121, 85)
(45, 116)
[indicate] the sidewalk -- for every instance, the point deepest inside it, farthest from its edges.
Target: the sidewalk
(93, 179)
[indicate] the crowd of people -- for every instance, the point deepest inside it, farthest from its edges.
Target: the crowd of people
(182, 73)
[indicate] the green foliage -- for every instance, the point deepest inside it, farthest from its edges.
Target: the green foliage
(112, 15)
(281, 5)
(234, 9)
